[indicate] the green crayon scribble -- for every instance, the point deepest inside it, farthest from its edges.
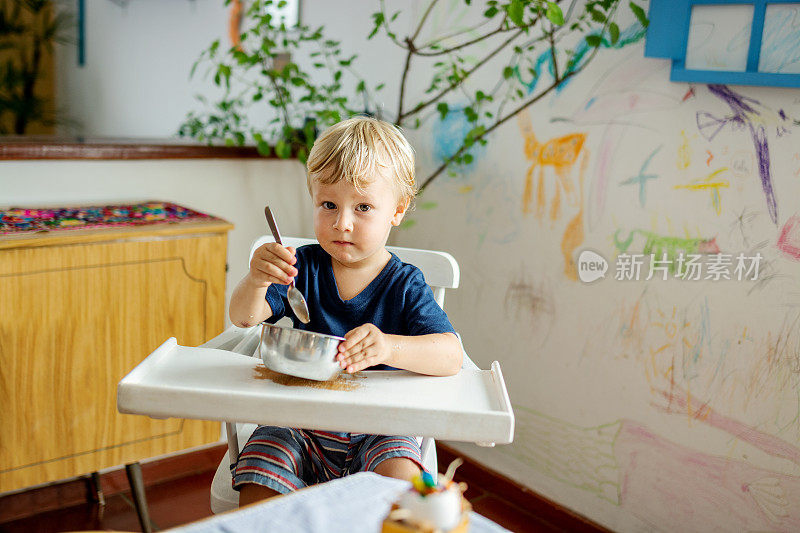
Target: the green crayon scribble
(673, 247)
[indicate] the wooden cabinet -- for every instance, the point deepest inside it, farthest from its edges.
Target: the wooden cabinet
(78, 310)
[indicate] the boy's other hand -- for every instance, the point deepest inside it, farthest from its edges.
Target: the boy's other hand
(363, 347)
(272, 263)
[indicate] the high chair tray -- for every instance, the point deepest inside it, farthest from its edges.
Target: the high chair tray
(214, 384)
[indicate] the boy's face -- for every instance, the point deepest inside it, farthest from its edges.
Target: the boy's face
(351, 226)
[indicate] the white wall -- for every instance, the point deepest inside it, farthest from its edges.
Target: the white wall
(135, 80)
(647, 406)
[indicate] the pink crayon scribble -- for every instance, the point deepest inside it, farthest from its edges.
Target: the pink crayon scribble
(679, 402)
(676, 488)
(789, 239)
(708, 247)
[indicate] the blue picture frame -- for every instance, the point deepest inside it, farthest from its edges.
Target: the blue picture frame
(668, 34)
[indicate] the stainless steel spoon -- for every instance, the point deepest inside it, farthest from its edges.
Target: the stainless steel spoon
(295, 297)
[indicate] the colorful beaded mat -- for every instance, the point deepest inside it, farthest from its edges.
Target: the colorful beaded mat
(20, 220)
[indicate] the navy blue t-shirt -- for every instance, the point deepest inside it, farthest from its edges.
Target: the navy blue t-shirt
(398, 300)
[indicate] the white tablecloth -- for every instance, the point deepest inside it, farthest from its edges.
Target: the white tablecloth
(353, 503)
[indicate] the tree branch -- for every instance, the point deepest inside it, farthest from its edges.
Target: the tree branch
(453, 85)
(500, 29)
(406, 68)
(468, 43)
(551, 38)
(556, 82)
(453, 34)
(424, 17)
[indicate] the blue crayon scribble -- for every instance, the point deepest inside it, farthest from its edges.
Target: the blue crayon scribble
(780, 49)
(641, 178)
(448, 137)
(633, 33)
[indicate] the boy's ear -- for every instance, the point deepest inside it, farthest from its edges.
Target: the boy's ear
(402, 207)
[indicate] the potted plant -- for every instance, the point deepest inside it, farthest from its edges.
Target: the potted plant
(28, 30)
(516, 38)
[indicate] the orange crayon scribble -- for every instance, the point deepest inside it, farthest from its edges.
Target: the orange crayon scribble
(710, 157)
(573, 234)
(560, 153)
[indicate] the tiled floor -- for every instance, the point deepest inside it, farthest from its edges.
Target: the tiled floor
(185, 499)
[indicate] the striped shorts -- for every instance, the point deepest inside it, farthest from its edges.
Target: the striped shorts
(287, 459)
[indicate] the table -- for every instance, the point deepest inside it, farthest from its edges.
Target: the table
(354, 503)
(218, 384)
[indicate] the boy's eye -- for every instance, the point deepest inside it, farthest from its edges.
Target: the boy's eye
(364, 207)
(328, 205)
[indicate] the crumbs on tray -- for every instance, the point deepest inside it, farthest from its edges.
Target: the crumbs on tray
(342, 381)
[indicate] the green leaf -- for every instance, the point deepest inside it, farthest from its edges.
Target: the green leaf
(613, 30)
(597, 16)
(467, 159)
(554, 14)
(407, 224)
(264, 148)
(378, 20)
(443, 109)
(508, 72)
(428, 205)
(470, 113)
(640, 14)
(593, 40)
(283, 150)
(515, 11)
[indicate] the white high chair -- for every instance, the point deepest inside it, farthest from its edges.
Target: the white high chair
(214, 382)
(441, 272)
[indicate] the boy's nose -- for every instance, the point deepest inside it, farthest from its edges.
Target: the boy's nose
(344, 222)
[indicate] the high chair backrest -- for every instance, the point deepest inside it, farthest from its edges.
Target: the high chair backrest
(439, 268)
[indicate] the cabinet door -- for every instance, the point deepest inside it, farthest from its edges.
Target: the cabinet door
(73, 321)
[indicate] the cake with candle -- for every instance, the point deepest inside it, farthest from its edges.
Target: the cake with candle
(431, 505)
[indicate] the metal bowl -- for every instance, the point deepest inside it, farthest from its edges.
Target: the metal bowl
(300, 353)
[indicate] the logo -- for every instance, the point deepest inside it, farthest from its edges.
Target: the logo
(591, 266)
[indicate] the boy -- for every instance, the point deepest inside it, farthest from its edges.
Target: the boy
(361, 180)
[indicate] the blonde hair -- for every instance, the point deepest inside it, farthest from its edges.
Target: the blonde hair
(354, 149)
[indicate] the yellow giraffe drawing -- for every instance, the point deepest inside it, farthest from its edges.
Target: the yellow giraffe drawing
(562, 154)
